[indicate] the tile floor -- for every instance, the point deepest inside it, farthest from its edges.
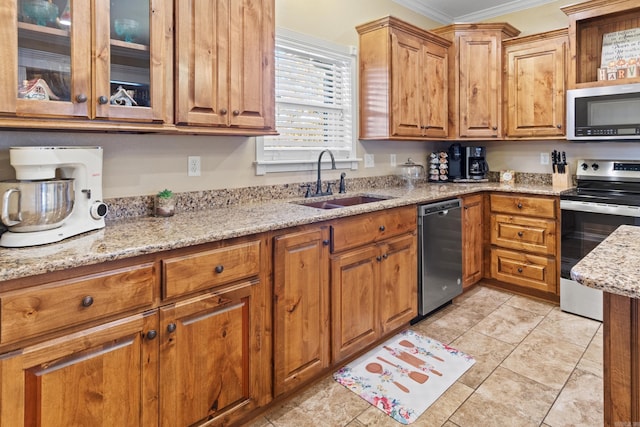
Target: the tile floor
(535, 366)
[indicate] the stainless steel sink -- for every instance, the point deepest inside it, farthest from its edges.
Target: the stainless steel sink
(341, 202)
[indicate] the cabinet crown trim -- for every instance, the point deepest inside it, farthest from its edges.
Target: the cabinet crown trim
(398, 24)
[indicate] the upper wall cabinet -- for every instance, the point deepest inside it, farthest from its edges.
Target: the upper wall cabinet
(225, 64)
(535, 70)
(475, 78)
(588, 22)
(106, 60)
(403, 81)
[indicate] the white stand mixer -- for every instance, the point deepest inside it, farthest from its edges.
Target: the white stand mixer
(84, 166)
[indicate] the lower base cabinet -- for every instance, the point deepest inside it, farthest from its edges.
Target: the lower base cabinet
(104, 376)
(301, 307)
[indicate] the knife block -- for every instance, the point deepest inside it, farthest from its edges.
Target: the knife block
(562, 181)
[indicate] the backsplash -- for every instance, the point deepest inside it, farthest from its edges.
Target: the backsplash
(132, 207)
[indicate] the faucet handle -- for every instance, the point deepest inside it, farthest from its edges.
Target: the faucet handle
(307, 193)
(329, 184)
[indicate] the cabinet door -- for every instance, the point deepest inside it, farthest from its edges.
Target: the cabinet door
(210, 357)
(104, 376)
(46, 66)
(435, 85)
(479, 74)
(535, 87)
(472, 239)
(301, 307)
(226, 50)
(398, 288)
(406, 79)
(131, 67)
(354, 301)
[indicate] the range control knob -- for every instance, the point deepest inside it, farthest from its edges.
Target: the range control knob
(584, 166)
(595, 166)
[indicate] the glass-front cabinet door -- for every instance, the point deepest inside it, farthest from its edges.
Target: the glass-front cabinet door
(103, 59)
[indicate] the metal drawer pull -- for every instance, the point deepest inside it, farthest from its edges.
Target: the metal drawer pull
(519, 269)
(219, 268)
(152, 334)
(81, 98)
(171, 327)
(519, 205)
(103, 100)
(87, 301)
(520, 234)
(382, 228)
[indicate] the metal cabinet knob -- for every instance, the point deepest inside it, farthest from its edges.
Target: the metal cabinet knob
(494, 127)
(519, 269)
(385, 256)
(219, 268)
(378, 258)
(223, 111)
(236, 112)
(519, 205)
(326, 242)
(171, 327)
(87, 301)
(151, 334)
(81, 98)
(520, 234)
(559, 126)
(103, 100)
(382, 228)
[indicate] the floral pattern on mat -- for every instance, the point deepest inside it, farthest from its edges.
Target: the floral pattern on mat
(405, 375)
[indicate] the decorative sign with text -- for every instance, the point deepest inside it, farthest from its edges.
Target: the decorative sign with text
(620, 55)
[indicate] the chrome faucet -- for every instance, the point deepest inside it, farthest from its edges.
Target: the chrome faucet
(319, 191)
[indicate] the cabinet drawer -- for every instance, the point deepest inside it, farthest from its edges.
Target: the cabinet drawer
(523, 233)
(34, 311)
(523, 205)
(360, 230)
(211, 268)
(531, 271)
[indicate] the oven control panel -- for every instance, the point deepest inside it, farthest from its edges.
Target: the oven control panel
(608, 169)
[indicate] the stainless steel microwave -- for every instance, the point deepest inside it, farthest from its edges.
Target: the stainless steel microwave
(604, 113)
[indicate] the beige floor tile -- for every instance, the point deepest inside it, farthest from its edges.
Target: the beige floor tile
(438, 413)
(580, 403)
(483, 301)
(508, 324)
(440, 330)
(488, 352)
(506, 399)
(259, 422)
(529, 304)
(544, 358)
(570, 327)
(326, 403)
(592, 358)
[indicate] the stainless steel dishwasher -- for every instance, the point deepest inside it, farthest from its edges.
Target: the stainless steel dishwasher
(439, 254)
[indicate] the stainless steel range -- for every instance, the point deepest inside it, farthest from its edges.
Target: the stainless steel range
(607, 196)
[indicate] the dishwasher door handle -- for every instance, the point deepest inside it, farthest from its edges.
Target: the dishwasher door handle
(444, 212)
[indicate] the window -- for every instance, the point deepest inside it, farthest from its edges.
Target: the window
(315, 105)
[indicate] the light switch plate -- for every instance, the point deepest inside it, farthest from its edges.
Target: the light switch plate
(544, 158)
(368, 161)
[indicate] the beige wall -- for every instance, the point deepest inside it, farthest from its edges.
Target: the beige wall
(144, 164)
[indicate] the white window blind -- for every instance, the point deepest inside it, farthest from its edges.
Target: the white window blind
(314, 103)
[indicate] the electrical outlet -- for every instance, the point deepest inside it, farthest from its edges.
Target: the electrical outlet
(368, 161)
(544, 158)
(392, 160)
(193, 168)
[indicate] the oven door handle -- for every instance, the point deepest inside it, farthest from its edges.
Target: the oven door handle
(600, 208)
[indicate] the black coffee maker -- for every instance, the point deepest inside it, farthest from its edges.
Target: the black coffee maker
(456, 162)
(475, 164)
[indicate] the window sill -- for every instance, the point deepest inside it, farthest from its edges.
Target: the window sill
(264, 167)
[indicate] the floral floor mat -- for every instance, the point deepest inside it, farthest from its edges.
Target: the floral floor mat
(405, 375)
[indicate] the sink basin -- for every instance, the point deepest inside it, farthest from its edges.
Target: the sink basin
(343, 202)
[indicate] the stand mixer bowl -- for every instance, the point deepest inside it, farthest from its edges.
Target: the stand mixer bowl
(36, 205)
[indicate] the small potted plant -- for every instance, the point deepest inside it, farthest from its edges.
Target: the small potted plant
(164, 203)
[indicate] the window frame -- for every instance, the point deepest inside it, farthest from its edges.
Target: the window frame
(309, 162)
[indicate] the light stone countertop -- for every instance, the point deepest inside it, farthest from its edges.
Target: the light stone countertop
(614, 265)
(144, 235)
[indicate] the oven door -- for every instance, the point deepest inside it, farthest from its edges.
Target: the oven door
(584, 225)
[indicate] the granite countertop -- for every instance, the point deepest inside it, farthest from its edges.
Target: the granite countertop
(144, 235)
(614, 265)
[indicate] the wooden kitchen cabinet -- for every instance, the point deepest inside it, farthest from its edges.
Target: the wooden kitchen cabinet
(374, 288)
(588, 22)
(213, 366)
(89, 69)
(301, 307)
(225, 55)
(475, 78)
(472, 239)
(106, 375)
(524, 243)
(535, 74)
(403, 81)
